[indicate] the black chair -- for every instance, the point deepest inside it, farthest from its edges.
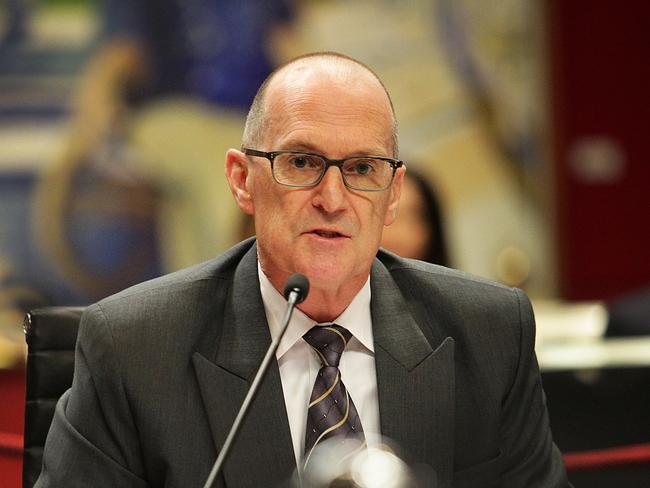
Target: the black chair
(600, 422)
(51, 335)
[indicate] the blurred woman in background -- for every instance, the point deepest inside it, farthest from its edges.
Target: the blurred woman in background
(418, 232)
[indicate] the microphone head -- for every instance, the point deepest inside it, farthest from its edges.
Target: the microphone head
(299, 284)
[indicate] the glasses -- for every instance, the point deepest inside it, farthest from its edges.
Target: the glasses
(300, 169)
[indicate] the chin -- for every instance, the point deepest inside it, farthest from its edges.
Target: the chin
(332, 275)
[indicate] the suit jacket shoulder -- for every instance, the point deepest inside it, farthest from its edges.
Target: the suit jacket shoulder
(501, 435)
(487, 320)
(167, 305)
(135, 406)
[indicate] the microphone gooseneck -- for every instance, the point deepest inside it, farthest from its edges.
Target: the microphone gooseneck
(295, 291)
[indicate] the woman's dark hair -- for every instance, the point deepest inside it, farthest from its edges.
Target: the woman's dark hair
(437, 250)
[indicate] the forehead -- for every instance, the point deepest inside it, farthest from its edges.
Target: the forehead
(318, 106)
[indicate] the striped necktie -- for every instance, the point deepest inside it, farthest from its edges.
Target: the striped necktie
(331, 410)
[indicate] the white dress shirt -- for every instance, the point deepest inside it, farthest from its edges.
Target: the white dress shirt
(299, 364)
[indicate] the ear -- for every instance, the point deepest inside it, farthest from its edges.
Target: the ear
(238, 172)
(395, 192)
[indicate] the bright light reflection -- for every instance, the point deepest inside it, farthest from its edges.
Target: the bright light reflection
(376, 468)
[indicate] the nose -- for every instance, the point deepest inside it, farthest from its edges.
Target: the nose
(331, 193)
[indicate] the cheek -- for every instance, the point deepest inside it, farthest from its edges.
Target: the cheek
(384, 215)
(277, 211)
(372, 222)
(266, 207)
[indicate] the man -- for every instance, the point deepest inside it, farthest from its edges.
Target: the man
(439, 361)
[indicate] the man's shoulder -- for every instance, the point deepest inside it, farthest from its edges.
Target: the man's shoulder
(488, 321)
(170, 313)
(419, 273)
(458, 301)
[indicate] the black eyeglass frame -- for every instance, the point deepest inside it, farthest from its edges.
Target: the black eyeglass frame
(271, 155)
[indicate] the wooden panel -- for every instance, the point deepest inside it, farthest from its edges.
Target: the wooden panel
(600, 71)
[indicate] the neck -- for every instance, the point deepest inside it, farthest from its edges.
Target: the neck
(328, 296)
(325, 302)
(325, 305)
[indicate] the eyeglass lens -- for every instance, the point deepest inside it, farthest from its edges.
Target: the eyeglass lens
(306, 169)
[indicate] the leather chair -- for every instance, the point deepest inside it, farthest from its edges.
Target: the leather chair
(599, 420)
(51, 335)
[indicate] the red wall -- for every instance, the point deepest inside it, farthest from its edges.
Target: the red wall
(12, 408)
(600, 71)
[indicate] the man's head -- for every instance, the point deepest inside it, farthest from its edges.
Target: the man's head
(257, 121)
(336, 107)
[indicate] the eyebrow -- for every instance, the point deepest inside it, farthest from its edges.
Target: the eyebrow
(300, 146)
(306, 147)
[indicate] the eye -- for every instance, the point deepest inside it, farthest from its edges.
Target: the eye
(362, 167)
(304, 161)
(298, 161)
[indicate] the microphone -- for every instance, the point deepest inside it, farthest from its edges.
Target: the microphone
(295, 291)
(298, 284)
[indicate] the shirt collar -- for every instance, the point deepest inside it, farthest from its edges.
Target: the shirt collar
(356, 317)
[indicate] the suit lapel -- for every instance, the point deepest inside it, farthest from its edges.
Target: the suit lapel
(415, 380)
(262, 454)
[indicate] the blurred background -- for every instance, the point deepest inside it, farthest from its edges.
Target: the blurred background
(523, 124)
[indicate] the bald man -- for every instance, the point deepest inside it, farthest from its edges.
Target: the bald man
(438, 361)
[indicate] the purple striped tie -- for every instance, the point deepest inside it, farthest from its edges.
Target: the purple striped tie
(331, 410)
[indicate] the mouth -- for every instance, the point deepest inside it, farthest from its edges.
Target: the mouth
(327, 233)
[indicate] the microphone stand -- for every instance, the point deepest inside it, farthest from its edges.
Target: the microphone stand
(293, 299)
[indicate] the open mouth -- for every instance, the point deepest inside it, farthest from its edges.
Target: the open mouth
(328, 234)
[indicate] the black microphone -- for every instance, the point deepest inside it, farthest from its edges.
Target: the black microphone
(298, 284)
(295, 291)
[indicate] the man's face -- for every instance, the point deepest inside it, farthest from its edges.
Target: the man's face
(329, 232)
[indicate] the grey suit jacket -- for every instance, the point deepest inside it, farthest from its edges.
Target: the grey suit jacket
(161, 369)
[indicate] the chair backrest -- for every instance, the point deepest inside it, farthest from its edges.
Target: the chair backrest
(599, 420)
(51, 335)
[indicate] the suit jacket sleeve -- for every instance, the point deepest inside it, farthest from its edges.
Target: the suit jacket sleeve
(531, 459)
(93, 440)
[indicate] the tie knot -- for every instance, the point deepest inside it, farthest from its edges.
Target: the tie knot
(329, 342)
